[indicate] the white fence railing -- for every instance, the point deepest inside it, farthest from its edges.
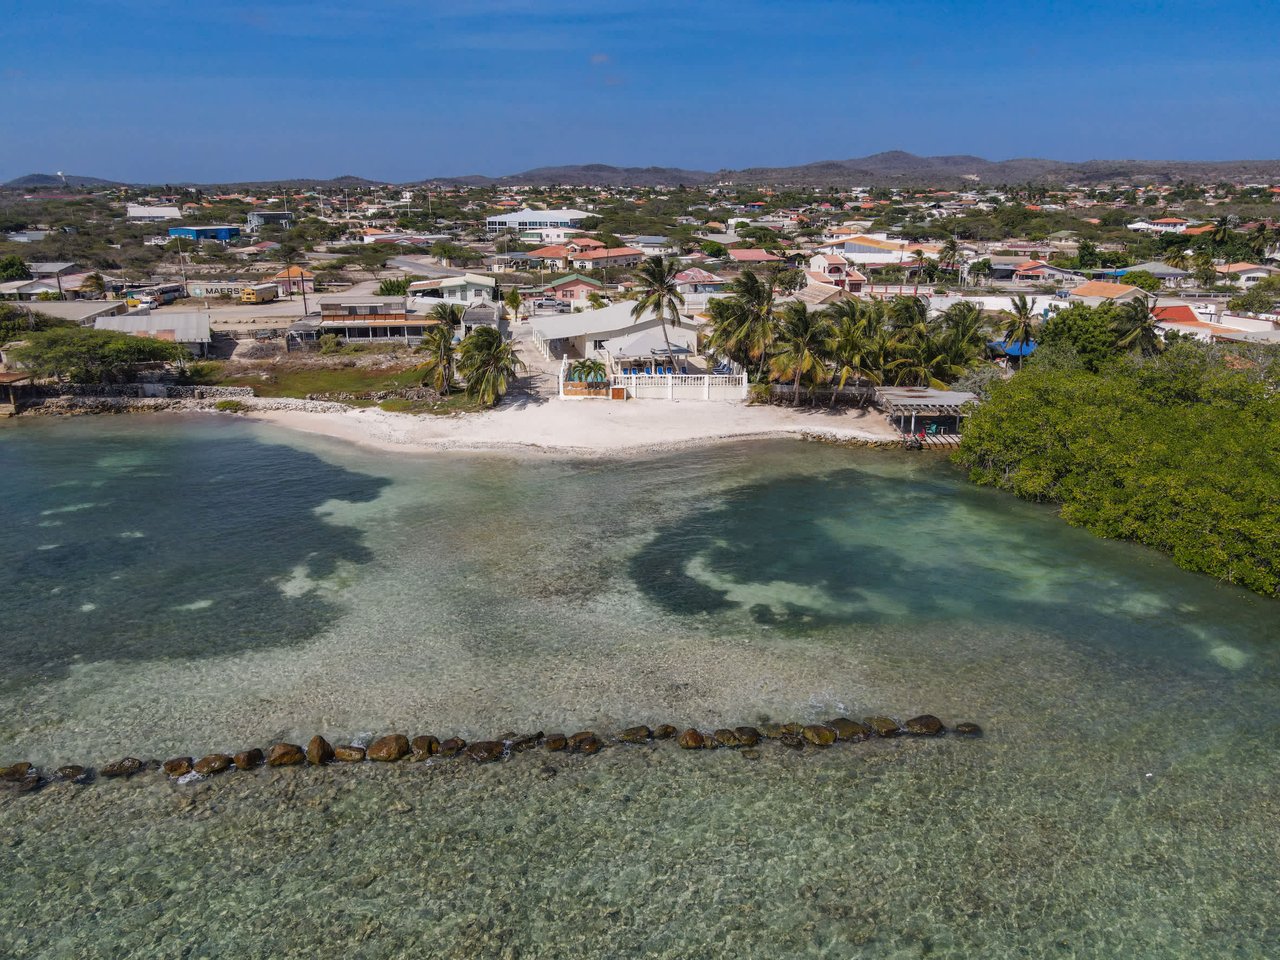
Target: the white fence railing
(716, 387)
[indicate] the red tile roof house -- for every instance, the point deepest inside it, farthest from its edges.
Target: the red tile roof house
(1244, 274)
(1182, 319)
(556, 256)
(834, 269)
(751, 255)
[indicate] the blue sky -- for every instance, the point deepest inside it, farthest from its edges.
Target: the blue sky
(406, 89)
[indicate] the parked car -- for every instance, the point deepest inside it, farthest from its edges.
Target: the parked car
(548, 303)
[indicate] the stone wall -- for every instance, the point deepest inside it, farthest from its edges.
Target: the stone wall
(159, 391)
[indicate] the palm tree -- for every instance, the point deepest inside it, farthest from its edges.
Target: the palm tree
(488, 363)
(588, 370)
(742, 324)
(802, 347)
(1203, 268)
(1259, 242)
(93, 285)
(1137, 328)
(513, 302)
(658, 292)
(905, 312)
(448, 314)
(928, 358)
(1223, 228)
(949, 256)
(1178, 258)
(918, 261)
(1019, 328)
(855, 345)
(437, 344)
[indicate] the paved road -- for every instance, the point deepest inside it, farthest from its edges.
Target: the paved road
(278, 313)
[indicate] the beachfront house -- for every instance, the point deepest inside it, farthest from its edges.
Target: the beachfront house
(187, 329)
(356, 318)
(602, 333)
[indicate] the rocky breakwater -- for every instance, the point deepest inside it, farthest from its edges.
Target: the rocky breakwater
(24, 777)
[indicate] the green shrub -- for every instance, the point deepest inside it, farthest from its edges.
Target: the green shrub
(230, 406)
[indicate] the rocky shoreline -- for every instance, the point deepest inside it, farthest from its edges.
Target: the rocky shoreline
(24, 777)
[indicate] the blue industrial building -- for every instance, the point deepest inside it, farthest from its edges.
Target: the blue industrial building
(222, 234)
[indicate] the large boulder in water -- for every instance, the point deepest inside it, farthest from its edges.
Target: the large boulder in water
(348, 754)
(75, 773)
(485, 751)
(640, 734)
(691, 740)
(925, 725)
(213, 763)
(967, 729)
(389, 749)
(850, 730)
(125, 767)
(452, 747)
(424, 748)
(664, 731)
(884, 726)
(584, 741)
(177, 766)
(747, 736)
(248, 759)
(556, 742)
(16, 771)
(819, 735)
(319, 751)
(285, 755)
(725, 737)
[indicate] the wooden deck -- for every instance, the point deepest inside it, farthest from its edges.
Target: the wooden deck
(937, 440)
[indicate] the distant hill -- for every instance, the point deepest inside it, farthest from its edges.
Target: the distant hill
(894, 168)
(591, 175)
(34, 181)
(897, 168)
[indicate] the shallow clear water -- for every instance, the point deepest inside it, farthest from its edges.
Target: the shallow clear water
(188, 586)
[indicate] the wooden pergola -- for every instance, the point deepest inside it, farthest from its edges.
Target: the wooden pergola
(899, 403)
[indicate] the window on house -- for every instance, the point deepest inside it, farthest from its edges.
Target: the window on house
(597, 344)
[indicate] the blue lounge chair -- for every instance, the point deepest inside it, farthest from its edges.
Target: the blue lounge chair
(684, 371)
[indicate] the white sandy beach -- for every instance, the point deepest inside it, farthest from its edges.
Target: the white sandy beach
(586, 427)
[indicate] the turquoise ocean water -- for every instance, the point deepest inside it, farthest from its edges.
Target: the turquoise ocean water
(184, 586)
